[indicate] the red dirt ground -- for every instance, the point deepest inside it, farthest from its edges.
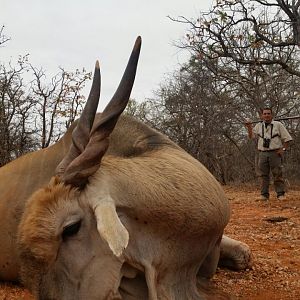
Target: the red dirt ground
(272, 232)
(275, 245)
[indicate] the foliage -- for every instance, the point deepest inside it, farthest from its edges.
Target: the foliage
(34, 113)
(204, 114)
(3, 37)
(248, 32)
(15, 106)
(57, 103)
(244, 56)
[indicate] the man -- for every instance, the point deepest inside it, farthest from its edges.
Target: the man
(273, 139)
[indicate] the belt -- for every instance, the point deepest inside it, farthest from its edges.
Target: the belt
(268, 150)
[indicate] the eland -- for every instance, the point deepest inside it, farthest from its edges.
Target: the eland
(113, 210)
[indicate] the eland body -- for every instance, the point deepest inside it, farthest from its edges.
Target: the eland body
(114, 210)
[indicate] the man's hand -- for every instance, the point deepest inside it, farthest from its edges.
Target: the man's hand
(280, 151)
(248, 123)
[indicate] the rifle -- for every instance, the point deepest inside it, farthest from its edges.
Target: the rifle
(278, 119)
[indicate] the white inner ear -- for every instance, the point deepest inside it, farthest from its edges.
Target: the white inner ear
(110, 227)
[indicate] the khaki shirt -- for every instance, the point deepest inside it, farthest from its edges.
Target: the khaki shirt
(279, 135)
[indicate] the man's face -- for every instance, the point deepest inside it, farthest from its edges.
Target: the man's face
(267, 115)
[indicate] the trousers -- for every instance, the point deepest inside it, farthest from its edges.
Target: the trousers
(270, 161)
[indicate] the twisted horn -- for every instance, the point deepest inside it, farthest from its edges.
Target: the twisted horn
(81, 133)
(88, 162)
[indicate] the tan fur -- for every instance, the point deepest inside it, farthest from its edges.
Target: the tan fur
(162, 189)
(173, 208)
(130, 215)
(235, 254)
(18, 180)
(38, 232)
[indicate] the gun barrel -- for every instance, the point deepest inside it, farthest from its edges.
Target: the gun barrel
(279, 119)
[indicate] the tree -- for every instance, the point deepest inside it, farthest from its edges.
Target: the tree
(33, 115)
(57, 103)
(138, 110)
(189, 108)
(204, 112)
(253, 32)
(3, 37)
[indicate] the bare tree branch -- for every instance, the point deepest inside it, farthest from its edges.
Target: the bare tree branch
(254, 32)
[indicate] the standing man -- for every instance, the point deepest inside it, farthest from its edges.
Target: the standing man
(273, 139)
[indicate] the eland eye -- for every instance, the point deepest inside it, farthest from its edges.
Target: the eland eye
(71, 230)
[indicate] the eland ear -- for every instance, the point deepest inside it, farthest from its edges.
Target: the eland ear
(88, 161)
(110, 226)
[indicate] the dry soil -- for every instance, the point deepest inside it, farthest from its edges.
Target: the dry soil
(271, 229)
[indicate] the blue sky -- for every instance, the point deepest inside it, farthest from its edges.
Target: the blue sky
(73, 34)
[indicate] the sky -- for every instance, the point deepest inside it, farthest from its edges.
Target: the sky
(73, 34)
